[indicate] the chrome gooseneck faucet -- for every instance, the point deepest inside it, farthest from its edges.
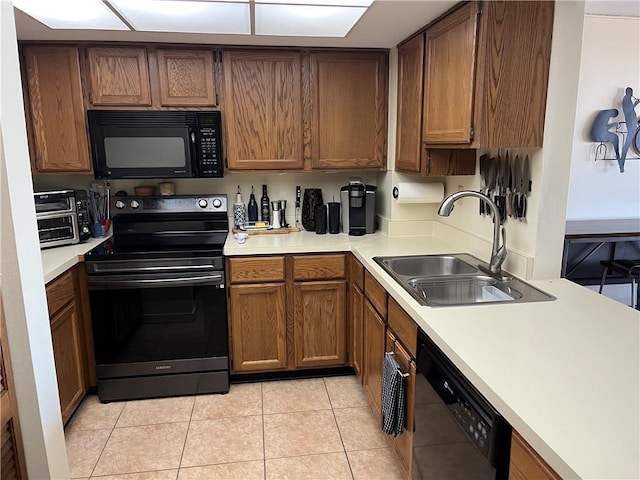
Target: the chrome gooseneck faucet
(498, 252)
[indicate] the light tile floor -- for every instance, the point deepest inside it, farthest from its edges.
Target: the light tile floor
(294, 429)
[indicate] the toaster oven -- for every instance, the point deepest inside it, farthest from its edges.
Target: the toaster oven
(62, 217)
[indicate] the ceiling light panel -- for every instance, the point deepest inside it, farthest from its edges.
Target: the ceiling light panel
(305, 20)
(186, 16)
(334, 3)
(72, 14)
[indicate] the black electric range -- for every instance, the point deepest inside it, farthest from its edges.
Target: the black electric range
(158, 299)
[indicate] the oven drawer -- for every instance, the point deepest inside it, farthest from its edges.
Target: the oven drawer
(256, 269)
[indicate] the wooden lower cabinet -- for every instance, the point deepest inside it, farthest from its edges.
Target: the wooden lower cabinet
(67, 351)
(287, 312)
(403, 443)
(374, 344)
(68, 335)
(526, 464)
(258, 327)
(356, 312)
(319, 323)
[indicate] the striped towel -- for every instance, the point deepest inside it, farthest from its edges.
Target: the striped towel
(393, 402)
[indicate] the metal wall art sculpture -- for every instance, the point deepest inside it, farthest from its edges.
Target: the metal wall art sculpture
(626, 134)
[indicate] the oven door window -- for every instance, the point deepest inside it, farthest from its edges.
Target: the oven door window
(52, 229)
(157, 323)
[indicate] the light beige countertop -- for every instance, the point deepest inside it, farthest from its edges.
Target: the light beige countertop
(57, 260)
(565, 374)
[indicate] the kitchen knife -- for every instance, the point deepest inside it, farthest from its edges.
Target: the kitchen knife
(297, 206)
(484, 179)
(517, 186)
(526, 184)
(507, 201)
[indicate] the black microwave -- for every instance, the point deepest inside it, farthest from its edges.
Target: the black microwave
(155, 144)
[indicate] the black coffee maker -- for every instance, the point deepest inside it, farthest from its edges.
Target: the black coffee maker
(358, 207)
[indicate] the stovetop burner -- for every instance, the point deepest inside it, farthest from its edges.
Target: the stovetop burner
(165, 227)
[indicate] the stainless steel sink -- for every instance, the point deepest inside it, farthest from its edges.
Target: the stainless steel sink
(456, 279)
(427, 265)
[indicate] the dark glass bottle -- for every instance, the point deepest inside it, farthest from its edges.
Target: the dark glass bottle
(264, 205)
(252, 208)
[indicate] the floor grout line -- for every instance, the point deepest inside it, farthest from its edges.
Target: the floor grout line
(335, 419)
(108, 438)
(186, 436)
(264, 437)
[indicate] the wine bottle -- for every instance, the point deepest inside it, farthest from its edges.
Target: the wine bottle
(264, 205)
(252, 208)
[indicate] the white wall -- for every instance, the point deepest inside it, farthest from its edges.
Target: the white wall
(610, 63)
(23, 293)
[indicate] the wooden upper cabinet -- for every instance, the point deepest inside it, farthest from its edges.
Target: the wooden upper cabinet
(119, 76)
(410, 93)
(450, 77)
(263, 110)
(347, 100)
(486, 75)
(186, 78)
(58, 132)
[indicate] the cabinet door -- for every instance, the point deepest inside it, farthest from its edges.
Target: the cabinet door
(526, 464)
(13, 465)
(58, 128)
(258, 327)
(67, 351)
(450, 77)
(319, 323)
(374, 344)
(403, 443)
(186, 78)
(119, 76)
(356, 308)
(263, 109)
(410, 89)
(347, 98)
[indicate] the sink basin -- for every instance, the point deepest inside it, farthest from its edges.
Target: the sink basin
(456, 279)
(463, 290)
(428, 265)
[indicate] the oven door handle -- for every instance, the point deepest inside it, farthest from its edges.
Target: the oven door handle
(105, 282)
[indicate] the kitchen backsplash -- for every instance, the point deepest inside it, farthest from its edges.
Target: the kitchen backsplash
(280, 185)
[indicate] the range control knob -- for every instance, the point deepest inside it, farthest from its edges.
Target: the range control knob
(85, 229)
(119, 204)
(217, 203)
(134, 204)
(202, 203)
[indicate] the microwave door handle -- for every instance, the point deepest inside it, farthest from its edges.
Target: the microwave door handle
(195, 154)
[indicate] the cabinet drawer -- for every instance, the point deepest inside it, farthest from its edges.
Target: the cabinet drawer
(356, 272)
(59, 292)
(376, 294)
(260, 269)
(403, 326)
(318, 267)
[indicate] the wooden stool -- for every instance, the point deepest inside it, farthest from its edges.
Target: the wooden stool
(627, 268)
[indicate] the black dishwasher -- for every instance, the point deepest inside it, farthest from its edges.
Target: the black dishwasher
(458, 434)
